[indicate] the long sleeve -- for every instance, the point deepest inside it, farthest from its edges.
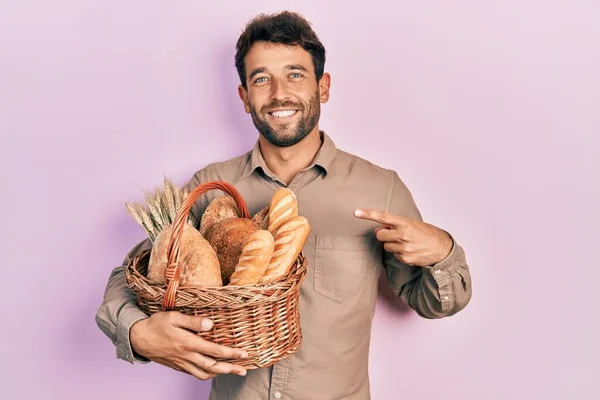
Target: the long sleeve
(435, 291)
(119, 310)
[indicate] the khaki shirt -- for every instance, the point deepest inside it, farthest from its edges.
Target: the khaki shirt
(338, 296)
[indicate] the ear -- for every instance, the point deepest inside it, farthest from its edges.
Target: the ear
(244, 97)
(324, 86)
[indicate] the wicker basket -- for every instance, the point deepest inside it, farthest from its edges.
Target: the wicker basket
(262, 319)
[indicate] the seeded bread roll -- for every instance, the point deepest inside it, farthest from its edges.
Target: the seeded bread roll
(227, 237)
(289, 241)
(221, 208)
(198, 261)
(283, 206)
(261, 218)
(256, 255)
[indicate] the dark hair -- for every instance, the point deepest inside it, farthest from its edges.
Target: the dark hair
(286, 28)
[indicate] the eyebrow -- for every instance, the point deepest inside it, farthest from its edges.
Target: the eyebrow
(259, 70)
(256, 71)
(296, 66)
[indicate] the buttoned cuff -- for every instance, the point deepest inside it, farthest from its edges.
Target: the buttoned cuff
(452, 261)
(129, 315)
(443, 272)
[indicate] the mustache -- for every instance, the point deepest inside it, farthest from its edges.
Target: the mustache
(278, 104)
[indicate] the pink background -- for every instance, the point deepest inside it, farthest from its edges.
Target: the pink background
(488, 110)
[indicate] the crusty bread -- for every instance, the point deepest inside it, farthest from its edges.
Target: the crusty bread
(289, 241)
(256, 255)
(221, 208)
(198, 261)
(283, 206)
(261, 218)
(227, 237)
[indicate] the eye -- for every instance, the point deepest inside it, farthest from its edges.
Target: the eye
(261, 79)
(296, 75)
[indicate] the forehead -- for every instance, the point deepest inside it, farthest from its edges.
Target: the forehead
(273, 56)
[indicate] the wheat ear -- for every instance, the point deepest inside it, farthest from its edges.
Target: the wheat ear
(160, 210)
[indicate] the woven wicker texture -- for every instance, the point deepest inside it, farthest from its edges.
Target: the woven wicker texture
(262, 319)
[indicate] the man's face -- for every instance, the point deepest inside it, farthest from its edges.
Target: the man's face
(283, 95)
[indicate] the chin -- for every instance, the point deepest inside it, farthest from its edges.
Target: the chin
(281, 137)
(283, 142)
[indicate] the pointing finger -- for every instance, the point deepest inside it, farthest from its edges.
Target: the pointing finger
(380, 216)
(374, 215)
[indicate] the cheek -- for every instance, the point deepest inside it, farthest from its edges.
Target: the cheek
(257, 100)
(305, 92)
(308, 95)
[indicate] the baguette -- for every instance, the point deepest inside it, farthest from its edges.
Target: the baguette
(289, 241)
(283, 206)
(256, 255)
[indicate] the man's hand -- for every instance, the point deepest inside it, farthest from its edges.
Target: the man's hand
(412, 242)
(169, 338)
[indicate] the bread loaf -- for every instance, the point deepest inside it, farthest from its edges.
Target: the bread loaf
(256, 255)
(220, 208)
(289, 241)
(261, 218)
(283, 206)
(198, 261)
(227, 238)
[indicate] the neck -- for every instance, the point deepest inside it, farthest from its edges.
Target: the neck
(286, 162)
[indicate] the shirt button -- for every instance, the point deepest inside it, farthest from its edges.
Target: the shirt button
(277, 395)
(437, 272)
(446, 298)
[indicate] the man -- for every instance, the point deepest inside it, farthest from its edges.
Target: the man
(362, 217)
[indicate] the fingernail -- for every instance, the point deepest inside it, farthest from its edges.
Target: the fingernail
(242, 373)
(358, 213)
(244, 355)
(206, 324)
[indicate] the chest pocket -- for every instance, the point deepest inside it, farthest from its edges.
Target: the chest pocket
(341, 265)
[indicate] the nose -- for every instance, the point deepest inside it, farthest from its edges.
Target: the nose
(279, 90)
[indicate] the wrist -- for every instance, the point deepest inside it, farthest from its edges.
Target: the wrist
(446, 245)
(134, 337)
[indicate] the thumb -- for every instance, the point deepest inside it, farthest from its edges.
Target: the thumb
(194, 323)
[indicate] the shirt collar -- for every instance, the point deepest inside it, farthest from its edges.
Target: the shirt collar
(324, 157)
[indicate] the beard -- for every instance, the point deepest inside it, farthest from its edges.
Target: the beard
(285, 135)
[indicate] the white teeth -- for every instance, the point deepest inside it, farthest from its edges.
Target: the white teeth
(281, 114)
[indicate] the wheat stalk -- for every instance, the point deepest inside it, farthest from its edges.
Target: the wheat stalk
(160, 209)
(169, 200)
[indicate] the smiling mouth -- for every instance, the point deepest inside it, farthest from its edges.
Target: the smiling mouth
(282, 113)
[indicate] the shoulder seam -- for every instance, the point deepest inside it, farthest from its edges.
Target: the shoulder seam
(390, 192)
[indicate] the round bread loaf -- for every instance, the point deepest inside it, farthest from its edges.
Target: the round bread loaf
(198, 261)
(220, 208)
(227, 238)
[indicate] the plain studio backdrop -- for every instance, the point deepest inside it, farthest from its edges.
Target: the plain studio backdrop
(488, 110)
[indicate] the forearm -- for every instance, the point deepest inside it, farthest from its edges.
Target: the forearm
(119, 310)
(436, 291)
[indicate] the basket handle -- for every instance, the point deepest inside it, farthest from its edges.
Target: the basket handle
(172, 271)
